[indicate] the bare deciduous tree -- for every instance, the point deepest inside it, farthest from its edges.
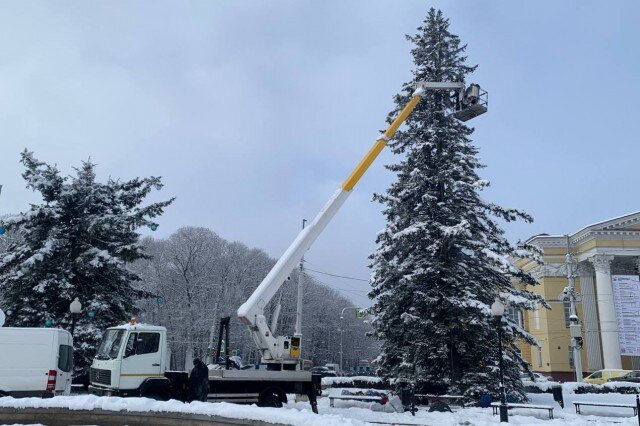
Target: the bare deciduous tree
(195, 277)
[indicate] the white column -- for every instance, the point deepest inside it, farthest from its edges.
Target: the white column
(635, 360)
(607, 311)
(590, 317)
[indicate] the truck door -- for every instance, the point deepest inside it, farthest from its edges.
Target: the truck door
(65, 364)
(142, 358)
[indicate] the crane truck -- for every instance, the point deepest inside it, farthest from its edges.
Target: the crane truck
(133, 359)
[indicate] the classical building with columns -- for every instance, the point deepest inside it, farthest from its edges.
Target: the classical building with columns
(607, 256)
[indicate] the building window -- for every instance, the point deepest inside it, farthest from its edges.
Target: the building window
(571, 365)
(539, 352)
(536, 319)
(515, 315)
(567, 312)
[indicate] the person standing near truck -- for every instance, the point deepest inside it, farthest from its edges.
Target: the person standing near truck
(198, 381)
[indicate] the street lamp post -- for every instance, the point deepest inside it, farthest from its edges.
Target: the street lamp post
(341, 326)
(497, 310)
(75, 308)
(341, 330)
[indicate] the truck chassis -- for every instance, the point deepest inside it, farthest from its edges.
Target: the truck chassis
(262, 387)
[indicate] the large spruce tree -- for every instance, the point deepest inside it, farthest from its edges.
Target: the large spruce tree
(76, 243)
(442, 259)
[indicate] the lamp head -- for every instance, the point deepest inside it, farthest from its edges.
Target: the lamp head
(497, 308)
(75, 307)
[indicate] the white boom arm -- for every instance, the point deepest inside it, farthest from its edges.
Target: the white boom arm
(252, 311)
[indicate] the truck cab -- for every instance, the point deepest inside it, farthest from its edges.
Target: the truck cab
(131, 361)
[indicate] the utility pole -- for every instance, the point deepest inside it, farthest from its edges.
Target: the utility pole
(574, 325)
(298, 329)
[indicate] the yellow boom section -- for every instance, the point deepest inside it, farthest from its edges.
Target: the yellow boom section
(379, 145)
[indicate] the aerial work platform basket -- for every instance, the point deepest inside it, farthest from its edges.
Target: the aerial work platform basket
(471, 102)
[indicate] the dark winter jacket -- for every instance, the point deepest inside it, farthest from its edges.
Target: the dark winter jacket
(199, 382)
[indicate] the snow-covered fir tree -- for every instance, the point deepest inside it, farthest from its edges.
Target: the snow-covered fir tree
(442, 258)
(76, 243)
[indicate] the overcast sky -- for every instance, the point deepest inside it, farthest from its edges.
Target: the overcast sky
(254, 112)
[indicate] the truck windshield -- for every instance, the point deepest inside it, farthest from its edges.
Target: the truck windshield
(110, 344)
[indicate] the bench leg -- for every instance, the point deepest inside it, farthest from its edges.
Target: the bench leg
(330, 402)
(578, 409)
(551, 414)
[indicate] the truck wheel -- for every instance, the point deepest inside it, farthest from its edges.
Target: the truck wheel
(270, 399)
(157, 394)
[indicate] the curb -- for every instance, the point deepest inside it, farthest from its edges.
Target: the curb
(65, 416)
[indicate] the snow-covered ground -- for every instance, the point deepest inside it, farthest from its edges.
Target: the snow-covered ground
(292, 415)
(483, 416)
(358, 413)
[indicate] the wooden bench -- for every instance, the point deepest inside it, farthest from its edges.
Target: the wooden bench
(363, 398)
(496, 407)
(604, 404)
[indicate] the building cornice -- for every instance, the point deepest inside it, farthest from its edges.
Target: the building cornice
(609, 227)
(591, 235)
(583, 237)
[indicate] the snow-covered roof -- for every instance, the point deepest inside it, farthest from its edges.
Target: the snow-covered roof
(617, 223)
(22, 330)
(139, 327)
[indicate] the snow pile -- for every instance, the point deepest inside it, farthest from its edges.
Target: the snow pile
(294, 416)
(300, 414)
(609, 387)
(572, 387)
(137, 325)
(583, 388)
(336, 381)
(543, 386)
(615, 386)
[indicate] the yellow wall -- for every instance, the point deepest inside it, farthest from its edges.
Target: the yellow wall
(548, 326)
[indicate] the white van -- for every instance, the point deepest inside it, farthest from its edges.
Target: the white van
(35, 361)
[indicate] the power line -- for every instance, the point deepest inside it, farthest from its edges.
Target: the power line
(331, 286)
(338, 276)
